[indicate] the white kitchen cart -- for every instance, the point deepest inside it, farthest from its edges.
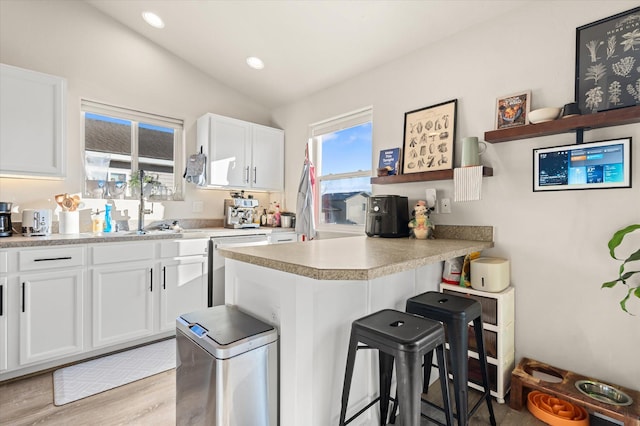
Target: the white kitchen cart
(498, 324)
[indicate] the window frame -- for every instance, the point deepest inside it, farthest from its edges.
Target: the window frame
(328, 126)
(137, 117)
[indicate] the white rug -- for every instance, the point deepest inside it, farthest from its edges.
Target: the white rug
(101, 374)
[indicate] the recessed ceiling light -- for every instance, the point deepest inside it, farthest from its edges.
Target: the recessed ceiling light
(153, 19)
(255, 63)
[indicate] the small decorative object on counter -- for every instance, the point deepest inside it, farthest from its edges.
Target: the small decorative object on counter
(263, 218)
(97, 222)
(276, 214)
(421, 227)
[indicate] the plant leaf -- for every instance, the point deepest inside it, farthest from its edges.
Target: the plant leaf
(627, 275)
(636, 292)
(633, 257)
(623, 302)
(617, 238)
(611, 284)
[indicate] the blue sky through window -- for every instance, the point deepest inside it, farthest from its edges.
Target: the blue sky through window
(347, 150)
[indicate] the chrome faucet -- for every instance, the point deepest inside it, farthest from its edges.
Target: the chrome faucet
(141, 209)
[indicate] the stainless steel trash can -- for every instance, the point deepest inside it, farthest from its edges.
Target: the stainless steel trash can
(227, 369)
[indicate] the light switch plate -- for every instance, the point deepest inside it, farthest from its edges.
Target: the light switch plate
(197, 207)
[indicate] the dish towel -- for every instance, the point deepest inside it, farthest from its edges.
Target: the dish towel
(467, 183)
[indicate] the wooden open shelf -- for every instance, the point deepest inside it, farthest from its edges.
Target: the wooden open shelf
(422, 176)
(614, 117)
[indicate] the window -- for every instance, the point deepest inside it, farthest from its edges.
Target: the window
(118, 142)
(342, 156)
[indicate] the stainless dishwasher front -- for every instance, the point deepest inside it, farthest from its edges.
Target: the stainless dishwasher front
(216, 262)
(227, 369)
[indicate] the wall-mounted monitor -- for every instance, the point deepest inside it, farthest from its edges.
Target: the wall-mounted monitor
(593, 165)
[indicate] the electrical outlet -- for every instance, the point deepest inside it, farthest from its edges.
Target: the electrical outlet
(445, 205)
(431, 198)
(197, 207)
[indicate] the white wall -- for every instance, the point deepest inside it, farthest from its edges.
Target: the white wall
(105, 61)
(557, 242)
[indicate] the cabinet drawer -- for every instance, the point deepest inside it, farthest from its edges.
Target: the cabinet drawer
(54, 257)
(474, 373)
(179, 248)
(101, 254)
(490, 342)
(489, 306)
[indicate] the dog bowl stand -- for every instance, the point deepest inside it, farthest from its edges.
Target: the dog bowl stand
(522, 382)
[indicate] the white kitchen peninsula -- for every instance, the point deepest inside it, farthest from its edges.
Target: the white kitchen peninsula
(313, 291)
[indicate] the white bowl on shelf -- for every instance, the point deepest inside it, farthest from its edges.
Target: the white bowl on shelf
(544, 114)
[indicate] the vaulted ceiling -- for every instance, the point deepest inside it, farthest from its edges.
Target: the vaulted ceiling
(306, 45)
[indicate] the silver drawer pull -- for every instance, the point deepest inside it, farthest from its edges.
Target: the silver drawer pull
(47, 259)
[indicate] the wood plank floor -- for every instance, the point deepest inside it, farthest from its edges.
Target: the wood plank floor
(151, 401)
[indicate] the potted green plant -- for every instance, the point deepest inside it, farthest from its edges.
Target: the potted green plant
(624, 276)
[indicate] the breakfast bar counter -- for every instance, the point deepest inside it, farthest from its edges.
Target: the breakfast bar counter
(313, 291)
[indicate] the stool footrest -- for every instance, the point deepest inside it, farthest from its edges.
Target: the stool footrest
(365, 408)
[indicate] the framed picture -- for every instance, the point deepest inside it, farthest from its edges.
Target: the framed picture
(608, 63)
(513, 110)
(428, 138)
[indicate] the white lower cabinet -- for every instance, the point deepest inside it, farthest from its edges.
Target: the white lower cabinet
(3, 322)
(184, 289)
(51, 321)
(61, 304)
(122, 302)
(122, 291)
(44, 309)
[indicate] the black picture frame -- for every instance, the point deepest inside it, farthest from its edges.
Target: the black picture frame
(429, 135)
(608, 63)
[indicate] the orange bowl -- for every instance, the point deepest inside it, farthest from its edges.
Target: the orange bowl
(555, 411)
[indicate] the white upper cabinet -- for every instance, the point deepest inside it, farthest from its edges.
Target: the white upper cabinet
(267, 158)
(241, 154)
(32, 133)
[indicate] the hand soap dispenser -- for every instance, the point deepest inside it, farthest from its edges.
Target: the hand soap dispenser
(107, 218)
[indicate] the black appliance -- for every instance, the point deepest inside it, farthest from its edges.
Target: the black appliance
(387, 216)
(5, 219)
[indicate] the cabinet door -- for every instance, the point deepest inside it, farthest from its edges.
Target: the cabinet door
(227, 142)
(3, 323)
(50, 315)
(122, 300)
(184, 289)
(267, 158)
(32, 113)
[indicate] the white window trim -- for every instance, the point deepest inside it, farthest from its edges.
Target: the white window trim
(331, 125)
(179, 147)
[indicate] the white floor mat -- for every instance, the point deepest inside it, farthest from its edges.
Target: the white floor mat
(101, 374)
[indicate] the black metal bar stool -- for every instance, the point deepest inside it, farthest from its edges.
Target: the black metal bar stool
(456, 312)
(407, 339)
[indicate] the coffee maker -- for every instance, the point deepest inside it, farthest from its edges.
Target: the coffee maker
(5, 219)
(239, 213)
(387, 216)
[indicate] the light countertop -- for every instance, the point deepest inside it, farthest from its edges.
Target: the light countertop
(354, 258)
(16, 241)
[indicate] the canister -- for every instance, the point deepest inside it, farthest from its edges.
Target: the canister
(490, 274)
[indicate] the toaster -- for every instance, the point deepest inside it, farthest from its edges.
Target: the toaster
(490, 274)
